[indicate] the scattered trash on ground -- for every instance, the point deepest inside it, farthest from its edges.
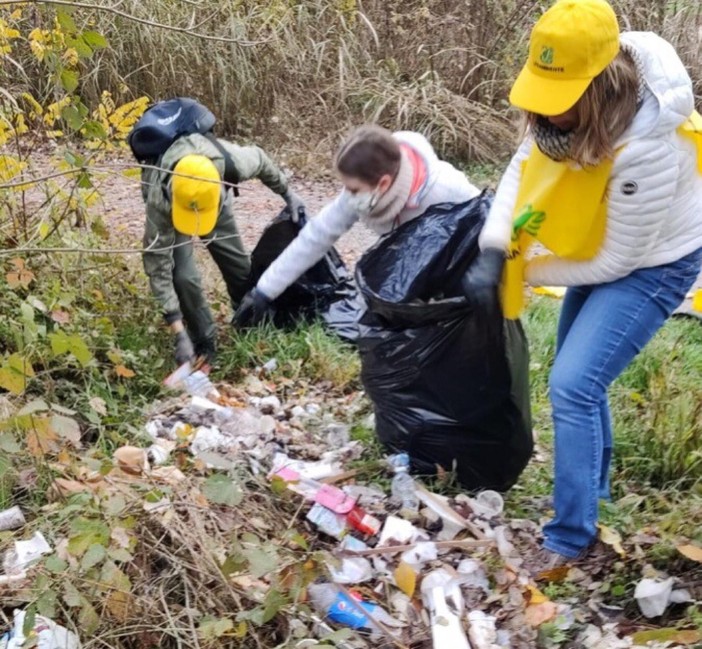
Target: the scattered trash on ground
(257, 504)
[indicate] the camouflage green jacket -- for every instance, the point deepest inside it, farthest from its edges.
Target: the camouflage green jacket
(159, 235)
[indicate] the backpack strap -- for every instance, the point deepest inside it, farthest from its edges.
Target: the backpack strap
(231, 175)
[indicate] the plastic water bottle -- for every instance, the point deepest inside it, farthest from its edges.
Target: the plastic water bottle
(403, 488)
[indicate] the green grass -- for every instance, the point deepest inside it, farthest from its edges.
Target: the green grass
(657, 477)
(306, 352)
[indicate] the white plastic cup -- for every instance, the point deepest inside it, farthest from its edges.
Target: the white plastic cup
(488, 504)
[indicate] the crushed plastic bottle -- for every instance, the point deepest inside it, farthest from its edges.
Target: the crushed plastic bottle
(349, 610)
(403, 489)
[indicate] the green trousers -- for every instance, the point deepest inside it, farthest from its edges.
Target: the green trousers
(227, 249)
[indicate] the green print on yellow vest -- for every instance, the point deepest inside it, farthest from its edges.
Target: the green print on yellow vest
(561, 206)
(529, 220)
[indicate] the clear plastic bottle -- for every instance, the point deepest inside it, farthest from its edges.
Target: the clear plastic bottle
(403, 489)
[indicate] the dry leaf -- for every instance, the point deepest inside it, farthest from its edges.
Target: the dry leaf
(124, 372)
(554, 575)
(131, 459)
(118, 604)
(66, 428)
(120, 537)
(611, 537)
(64, 457)
(61, 317)
(536, 614)
(21, 276)
(693, 552)
(41, 438)
(535, 596)
(169, 474)
(98, 405)
(64, 487)
(406, 578)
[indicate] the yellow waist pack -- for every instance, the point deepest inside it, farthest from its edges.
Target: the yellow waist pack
(562, 207)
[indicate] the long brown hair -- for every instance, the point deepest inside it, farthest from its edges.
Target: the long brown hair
(605, 111)
(368, 154)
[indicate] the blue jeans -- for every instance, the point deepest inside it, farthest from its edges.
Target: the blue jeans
(601, 329)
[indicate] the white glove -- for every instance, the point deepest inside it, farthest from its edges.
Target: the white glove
(295, 205)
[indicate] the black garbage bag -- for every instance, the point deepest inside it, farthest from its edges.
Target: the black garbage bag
(326, 283)
(449, 384)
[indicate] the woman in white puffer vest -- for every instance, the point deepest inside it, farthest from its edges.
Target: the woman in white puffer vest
(389, 179)
(608, 180)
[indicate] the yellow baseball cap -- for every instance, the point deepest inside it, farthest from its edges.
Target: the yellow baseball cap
(569, 46)
(196, 194)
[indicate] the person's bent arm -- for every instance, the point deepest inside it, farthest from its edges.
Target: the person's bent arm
(253, 162)
(314, 241)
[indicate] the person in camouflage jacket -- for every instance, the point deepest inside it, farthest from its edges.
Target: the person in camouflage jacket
(169, 259)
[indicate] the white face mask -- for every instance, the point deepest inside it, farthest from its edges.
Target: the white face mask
(363, 202)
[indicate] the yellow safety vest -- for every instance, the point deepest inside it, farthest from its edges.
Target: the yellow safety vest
(563, 207)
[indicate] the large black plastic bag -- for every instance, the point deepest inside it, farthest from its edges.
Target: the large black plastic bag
(316, 291)
(449, 384)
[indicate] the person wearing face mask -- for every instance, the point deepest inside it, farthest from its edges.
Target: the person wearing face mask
(608, 180)
(389, 179)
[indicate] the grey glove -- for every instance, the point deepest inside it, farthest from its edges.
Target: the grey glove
(184, 350)
(253, 309)
(482, 280)
(295, 205)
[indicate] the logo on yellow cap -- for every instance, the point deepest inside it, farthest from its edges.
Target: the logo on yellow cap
(546, 55)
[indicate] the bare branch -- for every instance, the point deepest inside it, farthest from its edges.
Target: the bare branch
(136, 19)
(5, 252)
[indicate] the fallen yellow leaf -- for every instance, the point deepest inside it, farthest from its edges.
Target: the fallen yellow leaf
(611, 537)
(554, 574)
(124, 372)
(406, 578)
(535, 596)
(693, 552)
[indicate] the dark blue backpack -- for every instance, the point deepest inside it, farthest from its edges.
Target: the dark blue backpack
(164, 122)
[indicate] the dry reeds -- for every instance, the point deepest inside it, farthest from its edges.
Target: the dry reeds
(300, 73)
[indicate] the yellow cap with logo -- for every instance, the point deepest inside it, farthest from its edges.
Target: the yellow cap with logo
(569, 46)
(196, 195)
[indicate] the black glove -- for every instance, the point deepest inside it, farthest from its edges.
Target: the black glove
(253, 309)
(184, 350)
(482, 279)
(206, 352)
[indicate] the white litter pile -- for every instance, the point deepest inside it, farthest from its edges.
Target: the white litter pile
(404, 566)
